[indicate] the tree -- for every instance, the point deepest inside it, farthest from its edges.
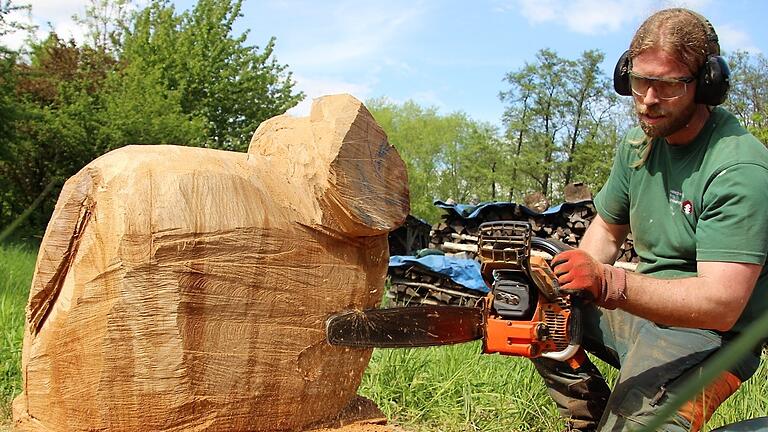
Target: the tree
(418, 134)
(8, 25)
(518, 119)
(145, 77)
(105, 22)
(53, 134)
(582, 88)
(544, 85)
(748, 96)
(447, 156)
(140, 110)
(80, 102)
(562, 124)
(234, 87)
(595, 122)
(10, 109)
(483, 165)
(468, 160)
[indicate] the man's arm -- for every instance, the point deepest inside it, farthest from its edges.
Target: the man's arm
(603, 240)
(714, 299)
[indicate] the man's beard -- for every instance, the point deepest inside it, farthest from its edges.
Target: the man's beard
(671, 123)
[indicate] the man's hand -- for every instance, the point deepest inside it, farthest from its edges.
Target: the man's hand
(580, 274)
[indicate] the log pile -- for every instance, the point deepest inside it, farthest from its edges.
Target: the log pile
(458, 232)
(410, 286)
(410, 237)
(458, 235)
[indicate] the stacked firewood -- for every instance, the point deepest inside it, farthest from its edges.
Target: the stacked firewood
(628, 253)
(457, 235)
(410, 237)
(568, 225)
(414, 285)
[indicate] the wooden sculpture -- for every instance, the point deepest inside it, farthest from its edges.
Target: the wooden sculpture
(185, 289)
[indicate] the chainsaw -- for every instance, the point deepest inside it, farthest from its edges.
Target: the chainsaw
(525, 314)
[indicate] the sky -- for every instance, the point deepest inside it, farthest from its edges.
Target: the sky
(448, 54)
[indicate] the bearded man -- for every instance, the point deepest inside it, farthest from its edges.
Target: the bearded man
(691, 185)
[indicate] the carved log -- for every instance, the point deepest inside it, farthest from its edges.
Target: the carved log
(186, 288)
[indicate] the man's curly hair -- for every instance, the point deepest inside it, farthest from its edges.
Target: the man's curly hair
(681, 33)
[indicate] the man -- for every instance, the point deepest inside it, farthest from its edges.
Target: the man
(692, 186)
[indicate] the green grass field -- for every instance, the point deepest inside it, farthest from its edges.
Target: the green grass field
(452, 388)
(17, 264)
(455, 388)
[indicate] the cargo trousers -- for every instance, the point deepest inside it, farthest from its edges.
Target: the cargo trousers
(653, 362)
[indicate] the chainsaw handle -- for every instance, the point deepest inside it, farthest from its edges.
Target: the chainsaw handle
(549, 245)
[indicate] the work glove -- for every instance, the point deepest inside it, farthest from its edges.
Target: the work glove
(581, 275)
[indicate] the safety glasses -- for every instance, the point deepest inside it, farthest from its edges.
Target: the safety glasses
(666, 88)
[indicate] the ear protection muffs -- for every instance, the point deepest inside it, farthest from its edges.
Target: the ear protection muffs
(621, 75)
(713, 79)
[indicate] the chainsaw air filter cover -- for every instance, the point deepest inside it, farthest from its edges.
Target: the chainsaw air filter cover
(512, 296)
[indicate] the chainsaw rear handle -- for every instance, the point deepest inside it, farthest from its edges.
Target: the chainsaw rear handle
(549, 245)
(554, 247)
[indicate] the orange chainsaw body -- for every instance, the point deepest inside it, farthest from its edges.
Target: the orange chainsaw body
(525, 315)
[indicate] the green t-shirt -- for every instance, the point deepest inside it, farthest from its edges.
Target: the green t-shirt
(706, 201)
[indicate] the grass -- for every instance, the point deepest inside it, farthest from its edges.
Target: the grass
(17, 263)
(447, 389)
(455, 388)
(749, 402)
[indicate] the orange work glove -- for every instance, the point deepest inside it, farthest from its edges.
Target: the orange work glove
(580, 274)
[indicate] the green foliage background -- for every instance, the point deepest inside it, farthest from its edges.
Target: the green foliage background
(152, 76)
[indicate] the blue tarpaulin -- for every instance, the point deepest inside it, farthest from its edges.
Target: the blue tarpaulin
(467, 211)
(465, 272)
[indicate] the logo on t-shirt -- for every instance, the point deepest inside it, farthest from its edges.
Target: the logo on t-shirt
(675, 201)
(687, 207)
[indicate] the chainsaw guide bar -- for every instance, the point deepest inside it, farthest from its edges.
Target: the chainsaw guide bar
(404, 327)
